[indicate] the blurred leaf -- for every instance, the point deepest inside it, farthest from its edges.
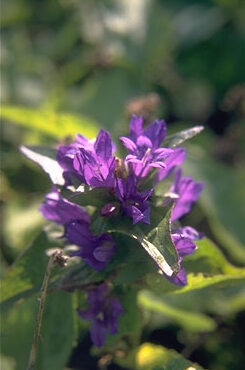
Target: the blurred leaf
(130, 322)
(206, 267)
(214, 285)
(17, 332)
(154, 357)
(210, 260)
(191, 321)
(49, 122)
(57, 333)
(46, 159)
(98, 99)
(27, 272)
(180, 137)
(28, 219)
(14, 12)
(223, 200)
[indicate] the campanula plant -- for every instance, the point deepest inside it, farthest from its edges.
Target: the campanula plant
(101, 200)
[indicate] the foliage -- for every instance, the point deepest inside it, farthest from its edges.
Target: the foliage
(93, 61)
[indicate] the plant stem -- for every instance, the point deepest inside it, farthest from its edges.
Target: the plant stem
(33, 354)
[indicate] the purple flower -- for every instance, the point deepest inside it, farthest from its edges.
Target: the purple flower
(185, 191)
(174, 159)
(95, 163)
(60, 210)
(183, 238)
(66, 154)
(143, 146)
(96, 251)
(134, 203)
(103, 311)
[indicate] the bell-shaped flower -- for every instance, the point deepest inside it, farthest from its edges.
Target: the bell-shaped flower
(57, 209)
(96, 163)
(183, 239)
(134, 203)
(144, 146)
(184, 191)
(103, 312)
(96, 251)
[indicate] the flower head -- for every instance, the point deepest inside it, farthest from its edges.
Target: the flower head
(143, 146)
(60, 210)
(96, 251)
(186, 192)
(134, 203)
(96, 163)
(66, 154)
(174, 159)
(183, 239)
(103, 311)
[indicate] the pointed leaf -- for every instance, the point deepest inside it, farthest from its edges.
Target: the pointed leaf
(157, 242)
(161, 238)
(26, 275)
(46, 159)
(178, 138)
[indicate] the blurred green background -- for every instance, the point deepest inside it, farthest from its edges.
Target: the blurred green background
(77, 65)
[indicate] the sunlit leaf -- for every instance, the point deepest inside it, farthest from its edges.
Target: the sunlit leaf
(49, 122)
(46, 159)
(189, 320)
(181, 136)
(156, 241)
(206, 267)
(151, 356)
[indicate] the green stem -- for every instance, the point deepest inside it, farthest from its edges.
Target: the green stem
(55, 258)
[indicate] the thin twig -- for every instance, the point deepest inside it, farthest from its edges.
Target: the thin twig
(54, 259)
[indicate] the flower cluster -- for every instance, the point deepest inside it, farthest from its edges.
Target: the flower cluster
(92, 163)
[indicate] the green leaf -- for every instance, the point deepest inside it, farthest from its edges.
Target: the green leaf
(209, 267)
(26, 275)
(50, 122)
(97, 197)
(154, 357)
(46, 158)
(206, 267)
(214, 285)
(223, 199)
(57, 332)
(181, 136)
(130, 322)
(189, 320)
(161, 238)
(156, 242)
(209, 259)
